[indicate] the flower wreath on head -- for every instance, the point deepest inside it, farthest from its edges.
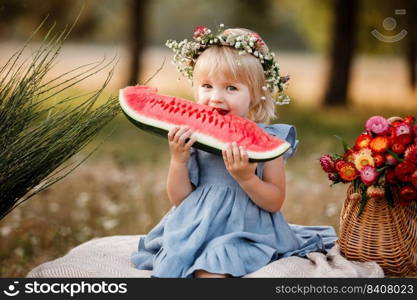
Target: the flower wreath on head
(187, 52)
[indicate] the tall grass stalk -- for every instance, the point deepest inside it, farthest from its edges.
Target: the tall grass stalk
(41, 127)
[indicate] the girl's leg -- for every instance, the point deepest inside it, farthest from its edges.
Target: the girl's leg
(205, 274)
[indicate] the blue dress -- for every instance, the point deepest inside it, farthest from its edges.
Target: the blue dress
(218, 228)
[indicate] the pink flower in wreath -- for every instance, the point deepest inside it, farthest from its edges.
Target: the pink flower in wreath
(200, 31)
(369, 175)
(377, 125)
(257, 36)
(260, 44)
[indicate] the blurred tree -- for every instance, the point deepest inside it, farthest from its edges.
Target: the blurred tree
(30, 13)
(310, 20)
(137, 36)
(341, 51)
(253, 14)
(411, 46)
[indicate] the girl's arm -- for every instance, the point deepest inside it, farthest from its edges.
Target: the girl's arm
(269, 193)
(178, 182)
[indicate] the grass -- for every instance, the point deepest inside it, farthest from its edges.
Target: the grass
(121, 189)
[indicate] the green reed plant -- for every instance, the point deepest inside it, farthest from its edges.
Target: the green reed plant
(41, 127)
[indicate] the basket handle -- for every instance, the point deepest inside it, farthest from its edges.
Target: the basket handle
(394, 119)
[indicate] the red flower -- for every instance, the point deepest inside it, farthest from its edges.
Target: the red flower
(407, 194)
(375, 192)
(379, 144)
(339, 164)
(398, 148)
(396, 123)
(390, 160)
(363, 141)
(349, 155)
(409, 120)
(404, 171)
(391, 134)
(390, 177)
(411, 154)
(414, 179)
(379, 160)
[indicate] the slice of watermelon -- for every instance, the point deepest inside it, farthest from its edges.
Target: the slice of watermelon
(148, 110)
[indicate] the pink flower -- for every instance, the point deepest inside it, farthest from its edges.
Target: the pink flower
(403, 128)
(403, 133)
(199, 31)
(369, 175)
(377, 125)
(327, 164)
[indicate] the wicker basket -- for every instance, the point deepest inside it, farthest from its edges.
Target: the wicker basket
(382, 234)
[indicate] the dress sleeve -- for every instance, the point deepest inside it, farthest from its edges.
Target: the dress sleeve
(193, 168)
(284, 132)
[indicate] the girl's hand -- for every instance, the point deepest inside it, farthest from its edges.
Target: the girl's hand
(178, 146)
(237, 163)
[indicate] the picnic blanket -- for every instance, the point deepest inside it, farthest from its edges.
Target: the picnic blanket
(110, 257)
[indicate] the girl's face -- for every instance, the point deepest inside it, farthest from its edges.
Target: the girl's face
(225, 95)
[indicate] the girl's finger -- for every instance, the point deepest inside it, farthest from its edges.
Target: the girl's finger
(172, 133)
(179, 133)
(243, 154)
(236, 153)
(184, 137)
(191, 141)
(228, 154)
(225, 158)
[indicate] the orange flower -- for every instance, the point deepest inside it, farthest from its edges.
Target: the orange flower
(349, 156)
(362, 141)
(379, 144)
(348, 172)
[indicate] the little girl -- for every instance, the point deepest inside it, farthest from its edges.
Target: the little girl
(226, 219)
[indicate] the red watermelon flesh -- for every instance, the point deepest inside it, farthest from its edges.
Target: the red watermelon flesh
(213, 130)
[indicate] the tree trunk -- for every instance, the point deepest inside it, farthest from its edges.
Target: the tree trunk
(136, 37)
(411, 51)
(341, 52)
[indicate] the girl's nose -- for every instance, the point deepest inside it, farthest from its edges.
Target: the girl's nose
(216, 97)
(216, 100)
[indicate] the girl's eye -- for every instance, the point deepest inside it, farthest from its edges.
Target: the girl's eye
(206, 85)
(231, 88)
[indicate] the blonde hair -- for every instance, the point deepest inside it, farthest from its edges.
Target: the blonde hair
(242, 68)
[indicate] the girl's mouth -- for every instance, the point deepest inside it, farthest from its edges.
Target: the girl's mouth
(222, 111)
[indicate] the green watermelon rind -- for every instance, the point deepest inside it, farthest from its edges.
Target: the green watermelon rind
(203, 142)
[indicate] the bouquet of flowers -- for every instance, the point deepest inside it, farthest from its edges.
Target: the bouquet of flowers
(382, 162)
